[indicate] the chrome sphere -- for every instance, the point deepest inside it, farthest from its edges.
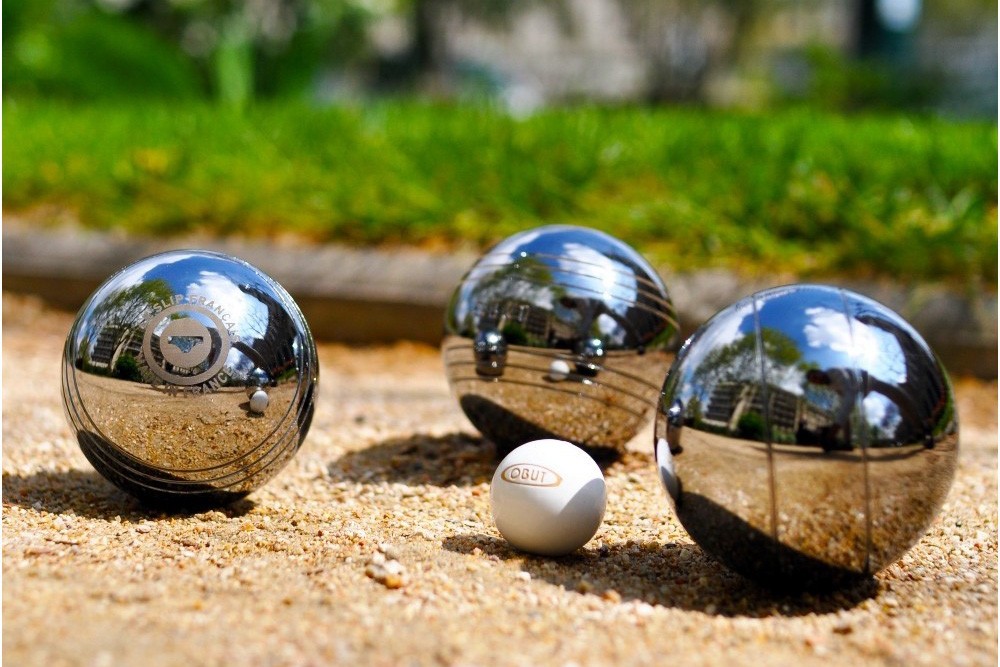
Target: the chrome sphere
(807, 436)
(157, 369)
(559, 332)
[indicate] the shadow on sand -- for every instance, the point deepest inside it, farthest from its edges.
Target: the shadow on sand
(87, 494)
(456, 459)
(669, 575)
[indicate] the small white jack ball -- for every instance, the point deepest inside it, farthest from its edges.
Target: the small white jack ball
(558, 370)
(548, 497)
(259, 401)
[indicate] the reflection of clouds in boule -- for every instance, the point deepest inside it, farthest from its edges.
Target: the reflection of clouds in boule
(602, 275)
(788, 377)
(882, 414)
(832, 330)
(726, 332)
(226, 294)
(582, 267)
(828, 328)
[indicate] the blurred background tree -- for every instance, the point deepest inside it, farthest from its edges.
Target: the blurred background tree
(838, 54)
(231, 50)
(53, 48)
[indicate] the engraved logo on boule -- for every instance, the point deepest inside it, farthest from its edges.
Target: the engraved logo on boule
(186, 344)
(530, 474)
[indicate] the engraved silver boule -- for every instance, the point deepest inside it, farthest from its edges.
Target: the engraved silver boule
(189, 378)
(807, 436)
(559, 332)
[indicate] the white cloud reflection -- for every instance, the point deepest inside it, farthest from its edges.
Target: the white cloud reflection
(599, 274)
(240, 308)
(866, 346)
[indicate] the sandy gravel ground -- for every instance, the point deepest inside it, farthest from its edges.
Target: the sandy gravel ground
(375, 547)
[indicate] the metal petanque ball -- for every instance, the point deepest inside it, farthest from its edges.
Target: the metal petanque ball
(189, 378)
(559, 332)
(807, 436)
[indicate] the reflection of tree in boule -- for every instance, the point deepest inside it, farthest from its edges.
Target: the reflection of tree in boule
(807, 436)
(552, 297)
(116, 318)
(192, 331)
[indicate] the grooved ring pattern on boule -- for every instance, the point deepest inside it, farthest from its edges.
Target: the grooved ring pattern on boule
(191, 328)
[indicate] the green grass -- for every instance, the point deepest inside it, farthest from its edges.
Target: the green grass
(799, 192)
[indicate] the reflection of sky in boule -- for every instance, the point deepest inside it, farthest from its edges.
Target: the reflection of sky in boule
(828, 329)
(871, 349)
(247, 315)
(601, 277)
(825, 338)
(584, 260)
(246, 311)
(881, 413)
(583, 277)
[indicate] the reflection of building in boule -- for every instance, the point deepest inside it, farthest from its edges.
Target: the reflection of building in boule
(112, 344)
(790, 417)
(108, 347)
(520, 321)
(806, 436)
(558, 332)
(155, 370)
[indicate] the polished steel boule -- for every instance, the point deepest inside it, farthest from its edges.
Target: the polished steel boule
(559, 332)
(162, 374)
(807, 436)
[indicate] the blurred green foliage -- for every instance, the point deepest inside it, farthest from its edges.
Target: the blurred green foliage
(230, 50)
(836, 82)
(74, 51)
(804, 192)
